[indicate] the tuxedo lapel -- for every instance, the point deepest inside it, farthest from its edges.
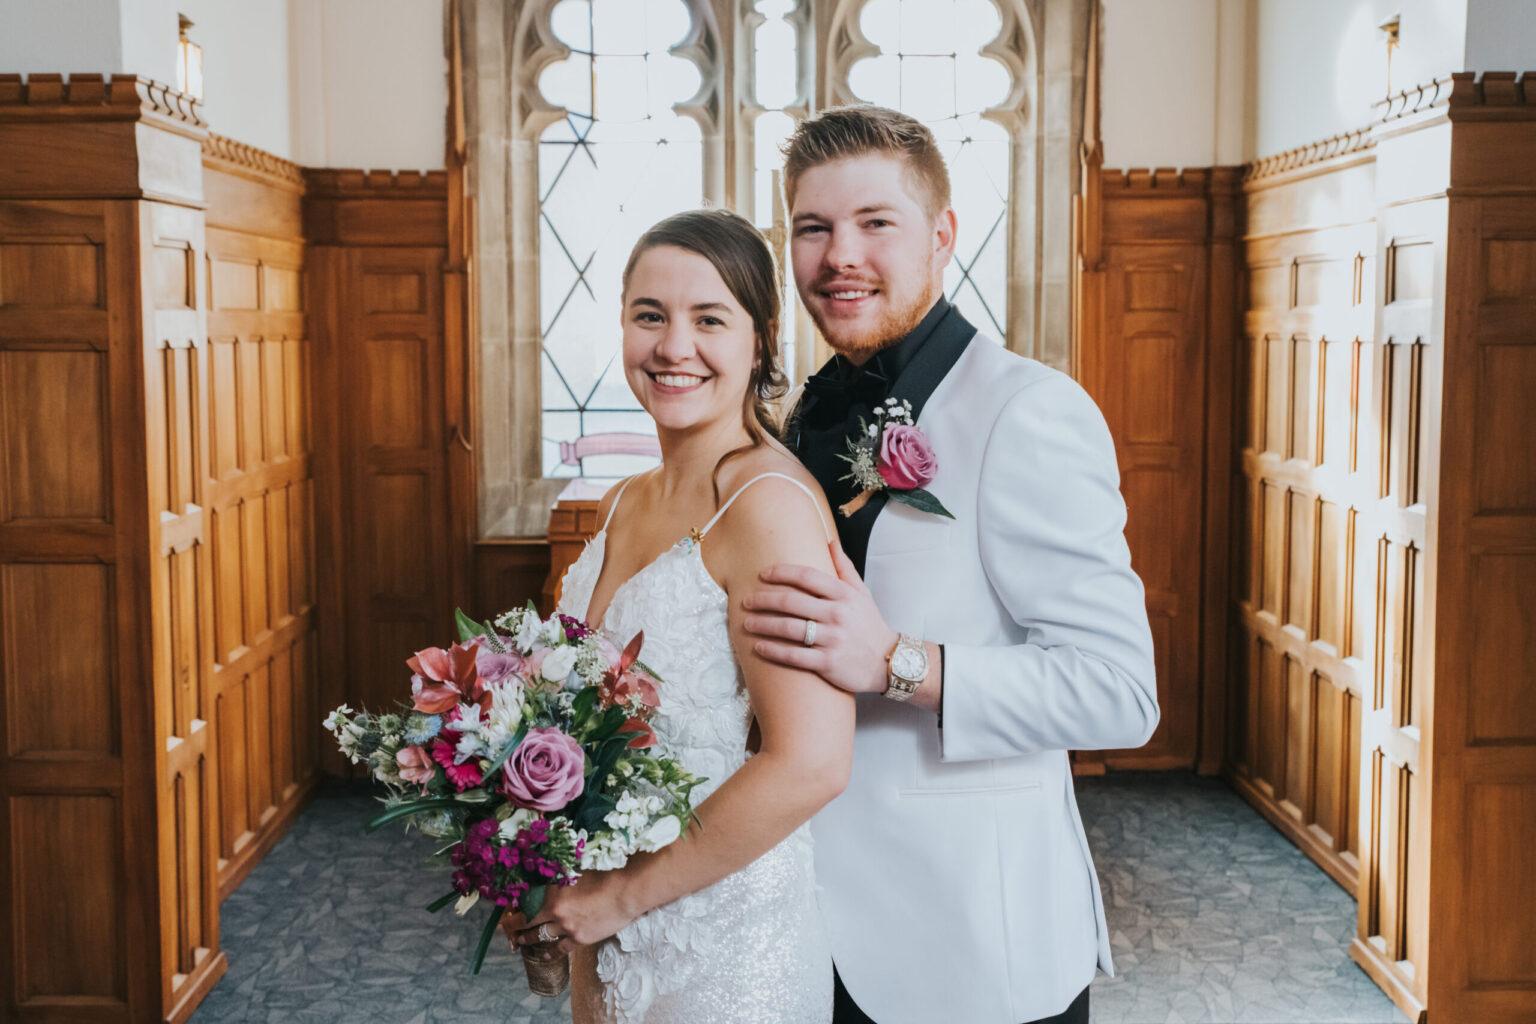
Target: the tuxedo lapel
(916, 385)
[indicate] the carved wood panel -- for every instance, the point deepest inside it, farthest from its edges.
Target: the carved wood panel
(383, 361)
(1315, 523)
(259, 484)
(1147, 331)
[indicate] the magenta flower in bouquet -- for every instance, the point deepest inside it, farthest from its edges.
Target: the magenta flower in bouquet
(528, 747)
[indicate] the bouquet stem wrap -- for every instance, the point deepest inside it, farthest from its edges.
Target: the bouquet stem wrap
(549, 970)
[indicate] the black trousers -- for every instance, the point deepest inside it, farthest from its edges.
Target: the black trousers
(846, 1011)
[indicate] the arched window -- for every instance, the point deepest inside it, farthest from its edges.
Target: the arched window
(588, 120)
(621, 158)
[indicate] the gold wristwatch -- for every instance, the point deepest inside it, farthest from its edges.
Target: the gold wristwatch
(907, 667)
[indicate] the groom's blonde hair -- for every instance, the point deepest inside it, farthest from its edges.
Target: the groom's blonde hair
(842, 132)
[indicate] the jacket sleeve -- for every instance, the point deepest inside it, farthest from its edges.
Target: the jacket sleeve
(1051, 524)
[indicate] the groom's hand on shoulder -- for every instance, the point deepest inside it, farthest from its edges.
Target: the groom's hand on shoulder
(849, 639)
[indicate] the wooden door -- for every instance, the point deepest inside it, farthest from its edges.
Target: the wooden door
(388, 395)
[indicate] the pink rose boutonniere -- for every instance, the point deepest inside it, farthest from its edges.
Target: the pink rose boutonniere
(893, 455)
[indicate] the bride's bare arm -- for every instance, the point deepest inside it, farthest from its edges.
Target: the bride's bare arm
(807, 740)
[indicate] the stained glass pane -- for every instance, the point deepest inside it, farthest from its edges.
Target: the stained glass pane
(620, 160)
(930, 66)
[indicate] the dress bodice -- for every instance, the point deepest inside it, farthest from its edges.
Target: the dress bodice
(705, 712)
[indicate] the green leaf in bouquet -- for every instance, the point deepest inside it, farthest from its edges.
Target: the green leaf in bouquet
(501, 758)
(441, 902)
(922, 500)
(405, 810)
(594, 808)
(532, 901)
(609, 724)
(486, 934)
(584, 702)
(468, 627)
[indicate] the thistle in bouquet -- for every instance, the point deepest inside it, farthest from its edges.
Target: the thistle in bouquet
(527, 748)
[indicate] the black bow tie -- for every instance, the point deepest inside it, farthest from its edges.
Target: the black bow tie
(840, 388)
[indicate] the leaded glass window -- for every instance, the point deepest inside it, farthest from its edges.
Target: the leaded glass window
(619, 160)
(930, 66)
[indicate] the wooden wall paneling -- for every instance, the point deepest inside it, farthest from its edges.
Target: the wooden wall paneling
(260, 486)
(509, 573)
(102, 550)
(1307, 502)
(378, 279)
(1147, 323)
(1470, 693)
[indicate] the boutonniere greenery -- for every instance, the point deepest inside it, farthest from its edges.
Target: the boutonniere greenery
(893, 455)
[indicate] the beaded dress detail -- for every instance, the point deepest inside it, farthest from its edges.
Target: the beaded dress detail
(750, 948)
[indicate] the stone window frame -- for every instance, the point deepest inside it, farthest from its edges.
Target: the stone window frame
(1043, 44)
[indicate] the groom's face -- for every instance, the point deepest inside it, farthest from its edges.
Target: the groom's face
(868, 255)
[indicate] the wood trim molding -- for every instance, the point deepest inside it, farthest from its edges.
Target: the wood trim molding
(1496, 95)
(52, 97)
(225, 154)
(334, 183)
(1191, 182)
(1313, 158)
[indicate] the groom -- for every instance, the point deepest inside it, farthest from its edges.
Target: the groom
(956, 880)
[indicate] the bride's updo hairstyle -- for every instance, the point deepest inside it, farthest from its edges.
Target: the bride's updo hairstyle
(741, 256)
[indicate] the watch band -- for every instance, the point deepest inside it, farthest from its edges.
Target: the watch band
(897, 688)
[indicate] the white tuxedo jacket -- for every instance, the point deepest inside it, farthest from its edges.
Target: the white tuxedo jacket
(954, 875)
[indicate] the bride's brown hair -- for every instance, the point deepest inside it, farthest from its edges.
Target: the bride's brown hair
(740, 255)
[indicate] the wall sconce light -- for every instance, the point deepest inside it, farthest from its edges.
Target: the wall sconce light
(189, 62)
(1391, 29)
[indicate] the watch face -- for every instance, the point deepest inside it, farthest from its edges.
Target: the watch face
(909, 664)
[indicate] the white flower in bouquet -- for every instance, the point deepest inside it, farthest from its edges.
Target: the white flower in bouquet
(505, 716)
(513, 820)
(605, 853)
(523, 625)
(463, 903)
(551, 633)
(558, 664)
(336, 719)
(660, 832)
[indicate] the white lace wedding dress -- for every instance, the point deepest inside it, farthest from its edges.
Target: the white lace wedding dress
(749, 948)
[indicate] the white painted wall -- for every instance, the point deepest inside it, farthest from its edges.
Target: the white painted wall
(370, 83)
(327, 83)
(245, 69)
(1321, 65)
(1501, 35)
(1159, 60)
(102, 37)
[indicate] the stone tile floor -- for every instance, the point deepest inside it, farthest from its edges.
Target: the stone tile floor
(1213, 916)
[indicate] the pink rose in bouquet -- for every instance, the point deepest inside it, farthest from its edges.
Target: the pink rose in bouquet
(545, 772)
(906, 458)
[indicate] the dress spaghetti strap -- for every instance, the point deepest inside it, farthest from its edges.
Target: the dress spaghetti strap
(749, 483)
(615, 506)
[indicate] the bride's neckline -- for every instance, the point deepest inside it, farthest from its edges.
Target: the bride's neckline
(689, 544)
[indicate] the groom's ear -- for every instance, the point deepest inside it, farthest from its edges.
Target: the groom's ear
(945, 229)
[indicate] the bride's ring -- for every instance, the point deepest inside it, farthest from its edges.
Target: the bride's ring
(544, 934)
(810, 633)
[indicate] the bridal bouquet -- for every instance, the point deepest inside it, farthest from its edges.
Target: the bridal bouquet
(527, 747)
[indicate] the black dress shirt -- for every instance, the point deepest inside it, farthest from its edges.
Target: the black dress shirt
(840, 393)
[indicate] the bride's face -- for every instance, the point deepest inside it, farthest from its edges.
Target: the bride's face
(688, 344)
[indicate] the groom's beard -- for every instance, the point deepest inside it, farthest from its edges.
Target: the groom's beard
(892, 326)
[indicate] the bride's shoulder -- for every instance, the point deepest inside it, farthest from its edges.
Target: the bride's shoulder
(775, 503)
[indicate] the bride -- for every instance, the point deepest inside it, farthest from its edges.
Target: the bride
(723, 925)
